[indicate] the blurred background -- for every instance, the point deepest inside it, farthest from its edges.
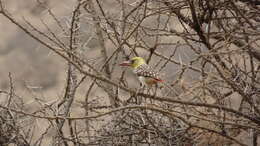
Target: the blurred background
(33, 67)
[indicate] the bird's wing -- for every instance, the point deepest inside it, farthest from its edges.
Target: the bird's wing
(146, 71)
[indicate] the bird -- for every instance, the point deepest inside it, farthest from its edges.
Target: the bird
(145, 73)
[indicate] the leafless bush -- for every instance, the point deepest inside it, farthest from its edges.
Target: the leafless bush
(207, 51)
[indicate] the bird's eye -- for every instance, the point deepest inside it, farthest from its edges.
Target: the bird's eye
(132, 61)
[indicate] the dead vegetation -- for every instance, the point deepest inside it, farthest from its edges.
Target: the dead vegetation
(207, 51)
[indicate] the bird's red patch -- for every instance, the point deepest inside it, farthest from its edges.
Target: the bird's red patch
(152, 81)
(158, 80)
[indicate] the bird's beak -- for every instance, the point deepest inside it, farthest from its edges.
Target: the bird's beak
(125, 63)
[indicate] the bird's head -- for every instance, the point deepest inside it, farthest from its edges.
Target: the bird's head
(134, 62)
